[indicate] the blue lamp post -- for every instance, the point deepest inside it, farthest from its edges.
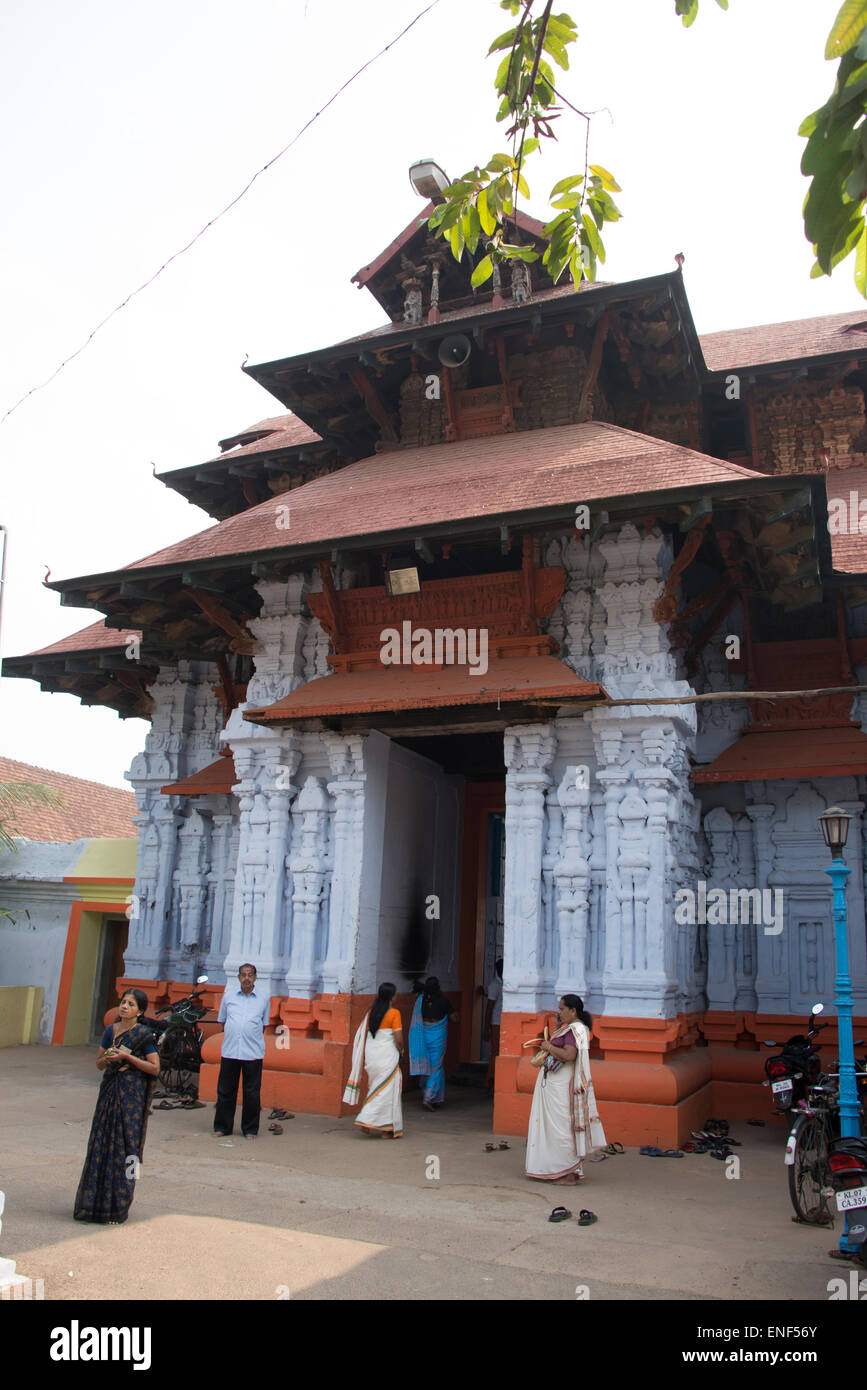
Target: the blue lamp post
(835, 828)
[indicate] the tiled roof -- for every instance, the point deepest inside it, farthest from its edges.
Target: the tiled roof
(280, 432)
(96, 637)
(764, 755)
(849, 549)
(506, 680)
(785, 342)
(91, 811)
(500, 476)
(217, 779)
(483, 309)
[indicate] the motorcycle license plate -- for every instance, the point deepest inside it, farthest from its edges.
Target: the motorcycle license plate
(781, 1087)
(855, 1197)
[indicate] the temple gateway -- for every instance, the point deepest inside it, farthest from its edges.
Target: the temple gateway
(424, 694)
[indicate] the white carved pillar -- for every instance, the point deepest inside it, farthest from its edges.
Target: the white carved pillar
(309, 864)
(529, 751)
(346, 757)
(572, 875)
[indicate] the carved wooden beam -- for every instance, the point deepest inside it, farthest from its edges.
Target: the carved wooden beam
(131, 681)
(332, 604)
(451, 417)
(528, 622)
(627, 353)
(242, 640)
(374, 405)
(665, 607)
(251, 496)
(601, 333)
(708, 628)
(508, 417)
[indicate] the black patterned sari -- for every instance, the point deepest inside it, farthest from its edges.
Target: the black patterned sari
(117, 1134)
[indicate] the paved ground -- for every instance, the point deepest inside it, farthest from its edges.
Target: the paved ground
(323, 1213)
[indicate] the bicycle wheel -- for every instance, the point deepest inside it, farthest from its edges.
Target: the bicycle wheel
(810, 1173)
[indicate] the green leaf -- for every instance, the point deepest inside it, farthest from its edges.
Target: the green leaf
(608, 180)
(847, 28)
(555, 222)
(503, 72)
(723, 4)
(808, 124)
(594, 240)
(471, 229)
(563, 28)
(553, 46)
(566, 184)
(817, 272)
(485, 217)
(861, 264)
(530, 146)
(498, 162)
(522, 186)
(504, 41)
(483, 271)
(456, 238)
(569, 200)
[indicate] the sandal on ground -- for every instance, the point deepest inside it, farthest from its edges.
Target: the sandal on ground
(427, 1105)
(489, 1148)
(192, 1105)
(689, 1147)
(671, 1153)
(586, 1218)
(275, 1128)
(598, 1158)
(504, 1145)
(164, 1105)
(650, 1151)
(721, 1153)
(613, 1148)
(281, 1115)
(559, 1214)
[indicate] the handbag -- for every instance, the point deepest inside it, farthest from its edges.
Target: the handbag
(541, 1057)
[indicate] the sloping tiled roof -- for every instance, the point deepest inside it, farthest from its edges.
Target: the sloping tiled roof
(91, 811)
(849, 549)
(280, 432)
(96, 637)
(785, 342)
(765, 755)
(473, 478)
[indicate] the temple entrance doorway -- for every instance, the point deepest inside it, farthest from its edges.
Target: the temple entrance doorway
(477, 758)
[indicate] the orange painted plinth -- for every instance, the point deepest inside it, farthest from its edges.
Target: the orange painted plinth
(656, 1079)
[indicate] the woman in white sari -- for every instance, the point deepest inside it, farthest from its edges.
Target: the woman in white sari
(377, 1051)
(564, 1122)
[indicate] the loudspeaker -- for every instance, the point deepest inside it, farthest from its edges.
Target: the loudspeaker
(454, 350)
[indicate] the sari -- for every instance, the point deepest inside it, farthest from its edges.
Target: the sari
(427, 1050)
(379, 1058)
(117, 1134)
(564, 1121)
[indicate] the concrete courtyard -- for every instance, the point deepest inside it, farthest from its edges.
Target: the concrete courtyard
(321, 1212)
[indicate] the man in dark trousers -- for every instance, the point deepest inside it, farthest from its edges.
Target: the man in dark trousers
(245, 1013)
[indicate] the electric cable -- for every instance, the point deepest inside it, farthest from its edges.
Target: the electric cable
(216, 218)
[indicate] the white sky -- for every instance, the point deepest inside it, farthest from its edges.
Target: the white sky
(128, 126)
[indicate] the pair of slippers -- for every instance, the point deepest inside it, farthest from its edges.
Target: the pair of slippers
(610, 1151)
(650, 1151)
(585, 1218)
(281, 1115)
(492, 1148)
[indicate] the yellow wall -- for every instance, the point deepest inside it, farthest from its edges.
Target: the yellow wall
(20, 1010)
(81, 989)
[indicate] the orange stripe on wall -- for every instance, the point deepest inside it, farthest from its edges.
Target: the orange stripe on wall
(67, 970)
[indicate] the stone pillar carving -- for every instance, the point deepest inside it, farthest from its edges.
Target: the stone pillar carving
(346, 757)
(221, 877)
(573, 885)
(309, 864)
(529, 751)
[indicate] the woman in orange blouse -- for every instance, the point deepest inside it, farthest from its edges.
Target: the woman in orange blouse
(377, 1050)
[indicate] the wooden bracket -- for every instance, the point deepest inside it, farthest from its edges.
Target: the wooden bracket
(584, 409)
(373, 403)
(665, 608)
(242, 640)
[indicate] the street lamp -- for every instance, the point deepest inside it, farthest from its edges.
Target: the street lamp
(835, 829)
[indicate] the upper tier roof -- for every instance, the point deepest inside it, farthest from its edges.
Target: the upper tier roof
(785, 342)
(474, 478)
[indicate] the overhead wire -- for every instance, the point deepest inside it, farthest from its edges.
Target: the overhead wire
(210, 223)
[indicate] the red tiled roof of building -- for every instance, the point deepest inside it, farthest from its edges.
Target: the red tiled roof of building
(96, 637)
(279, 432)
(764, 755)
(91, 810)
(440, 483)
(785, 342)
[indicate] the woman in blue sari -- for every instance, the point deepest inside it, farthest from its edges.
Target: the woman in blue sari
(130, 1062)
(428, 1035)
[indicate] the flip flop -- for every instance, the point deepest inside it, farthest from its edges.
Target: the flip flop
(192, 1105)
(689, 1148)
(671, 1153)
(721, 1153)
(614, 1148)
(489, 1148)
(281, 1115)
(164, 1105)
(586, 1218)
(598, 1158)
(649, 1151)
(504, 1145)
(760, 1123)
(559, 1214)
(275, 1128)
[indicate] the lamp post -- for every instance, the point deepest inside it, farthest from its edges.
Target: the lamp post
(835, 829)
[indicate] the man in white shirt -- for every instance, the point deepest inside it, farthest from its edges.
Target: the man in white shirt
(493, 1014)
(245, 1013)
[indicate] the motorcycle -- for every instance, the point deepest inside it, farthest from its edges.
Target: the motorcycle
(791, 1074)
(847, 1161)
(179, 1041)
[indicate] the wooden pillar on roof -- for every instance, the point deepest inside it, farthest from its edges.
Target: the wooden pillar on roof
(584, 408)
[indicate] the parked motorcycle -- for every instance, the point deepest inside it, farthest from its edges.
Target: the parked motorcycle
(791, 1074)
(179, 1041)
(847, 1161)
